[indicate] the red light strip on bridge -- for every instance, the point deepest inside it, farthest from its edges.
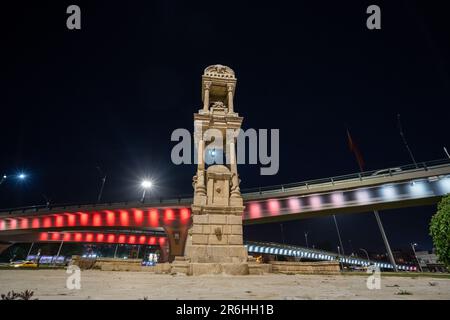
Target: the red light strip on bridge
(89, 237)
(119, 218)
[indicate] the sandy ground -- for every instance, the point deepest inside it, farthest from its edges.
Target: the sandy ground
(51, 284)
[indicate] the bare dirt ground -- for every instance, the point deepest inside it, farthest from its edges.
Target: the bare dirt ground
(51, 284)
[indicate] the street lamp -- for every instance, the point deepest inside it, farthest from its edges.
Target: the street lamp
(145, 184)
(413, 246)
(367, 254)
(21, 176)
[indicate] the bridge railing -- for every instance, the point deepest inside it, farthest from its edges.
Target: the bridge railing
(183, 199)
(344, 179)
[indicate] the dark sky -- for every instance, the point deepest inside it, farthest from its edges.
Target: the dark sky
(111, 94)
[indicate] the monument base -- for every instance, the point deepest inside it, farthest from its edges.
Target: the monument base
(183, 266)
(234, 269)
(312, 267)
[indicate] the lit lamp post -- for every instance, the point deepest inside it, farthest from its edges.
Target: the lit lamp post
(145, 184)
(367, 254)
(100, 193)
(20, 176)
(413, 246)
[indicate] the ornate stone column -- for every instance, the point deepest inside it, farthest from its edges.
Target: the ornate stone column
(235, 190)
(206, 96)
(230, 88)
(200, 185)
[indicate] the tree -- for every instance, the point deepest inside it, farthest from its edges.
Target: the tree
(440, 231)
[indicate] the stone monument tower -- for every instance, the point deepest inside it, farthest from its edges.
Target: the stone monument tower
(215, 243)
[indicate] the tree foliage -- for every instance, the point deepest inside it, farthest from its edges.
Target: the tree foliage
(440, 231)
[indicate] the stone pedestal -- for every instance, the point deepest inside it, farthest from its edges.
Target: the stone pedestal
(215, 243)
(216, 237)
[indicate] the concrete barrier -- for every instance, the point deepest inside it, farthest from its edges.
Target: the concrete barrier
(320, 267)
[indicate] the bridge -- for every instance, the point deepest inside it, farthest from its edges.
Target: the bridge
(165, 222)
(297, 252)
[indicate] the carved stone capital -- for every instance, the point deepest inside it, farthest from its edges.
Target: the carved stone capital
(207, 85)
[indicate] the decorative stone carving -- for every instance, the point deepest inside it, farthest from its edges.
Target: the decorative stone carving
(218, 232)
(235, 190)
(219, 71)
(218, 104)
(194, 181)
(200, 183)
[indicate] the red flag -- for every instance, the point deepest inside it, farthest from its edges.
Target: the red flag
(354, 148)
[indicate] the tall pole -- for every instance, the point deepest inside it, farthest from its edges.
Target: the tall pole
(115, 252)
(59, 251)
(446, 152)
(31, 247)
(101, 189)
(306, 239)
(339, 234)
(102, 186)
(415, 255)
(340, 260)
(143, 196)
(386, 242)
(400, 128)
(282, 233)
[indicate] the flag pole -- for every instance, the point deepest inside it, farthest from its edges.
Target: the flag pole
(400, 128)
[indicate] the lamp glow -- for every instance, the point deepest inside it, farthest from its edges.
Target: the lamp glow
(146, 184)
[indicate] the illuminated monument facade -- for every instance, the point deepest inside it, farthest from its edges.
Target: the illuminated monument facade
(215, 243)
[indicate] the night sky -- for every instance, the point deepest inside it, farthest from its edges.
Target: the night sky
(111, 94)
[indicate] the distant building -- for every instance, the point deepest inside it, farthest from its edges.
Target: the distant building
(404, 257)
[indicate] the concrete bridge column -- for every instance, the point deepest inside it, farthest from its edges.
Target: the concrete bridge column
(4, 246)
(176, 240)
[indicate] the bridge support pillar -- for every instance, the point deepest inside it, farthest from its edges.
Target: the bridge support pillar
(4, 246)
(176, 238)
